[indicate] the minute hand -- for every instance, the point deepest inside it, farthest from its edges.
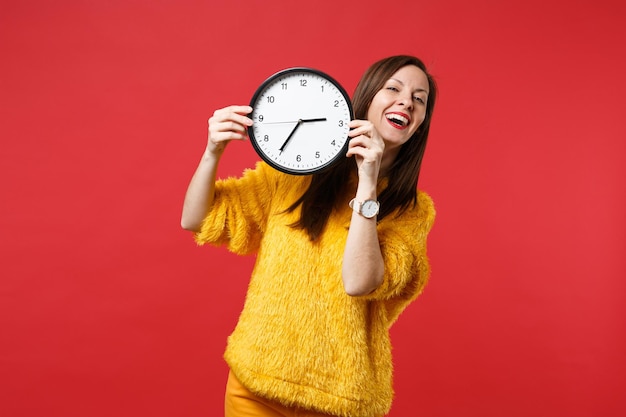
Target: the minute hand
(300, 121)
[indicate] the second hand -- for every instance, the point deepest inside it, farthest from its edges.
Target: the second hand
(322, 119)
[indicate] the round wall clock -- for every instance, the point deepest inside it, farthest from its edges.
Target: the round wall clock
(300, 121)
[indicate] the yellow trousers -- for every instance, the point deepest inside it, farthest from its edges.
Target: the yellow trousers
(239, 402)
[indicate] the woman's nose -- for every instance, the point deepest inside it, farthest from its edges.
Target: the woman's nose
(406, 100)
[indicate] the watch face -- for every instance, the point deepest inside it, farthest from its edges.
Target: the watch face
(300, 121)
(369, 208)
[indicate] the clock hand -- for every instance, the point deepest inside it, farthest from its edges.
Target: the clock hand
(290, 135)
(300, 121)
(295, 121)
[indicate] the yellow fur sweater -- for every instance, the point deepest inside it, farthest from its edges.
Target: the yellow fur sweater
(300, 339)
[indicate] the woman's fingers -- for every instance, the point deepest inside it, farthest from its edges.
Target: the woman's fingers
(367, 147)
(229, 123)
(365, 140)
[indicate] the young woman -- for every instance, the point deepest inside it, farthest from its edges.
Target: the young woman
(328, 283)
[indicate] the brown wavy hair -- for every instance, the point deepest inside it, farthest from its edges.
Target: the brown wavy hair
(328, 187)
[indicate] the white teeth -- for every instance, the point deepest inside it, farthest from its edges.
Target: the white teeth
(397, 118)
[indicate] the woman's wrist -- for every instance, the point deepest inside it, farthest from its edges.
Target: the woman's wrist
(366, 190)
(212, 153)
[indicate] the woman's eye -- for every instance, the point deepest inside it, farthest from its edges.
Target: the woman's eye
(392, 88)
(419, 99)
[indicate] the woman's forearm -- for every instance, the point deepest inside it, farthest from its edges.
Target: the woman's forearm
(229, 123)
(363, 266)
(200, 192)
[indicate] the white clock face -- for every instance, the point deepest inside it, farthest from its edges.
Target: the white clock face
(300, 120)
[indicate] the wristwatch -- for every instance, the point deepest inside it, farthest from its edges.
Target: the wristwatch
(367, 208)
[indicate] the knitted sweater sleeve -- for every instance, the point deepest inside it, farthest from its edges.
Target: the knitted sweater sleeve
(239, 212)
(407, 268)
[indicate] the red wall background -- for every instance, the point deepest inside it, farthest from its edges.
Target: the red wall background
(108, 308)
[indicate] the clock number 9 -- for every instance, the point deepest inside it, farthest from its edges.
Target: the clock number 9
(260, 117)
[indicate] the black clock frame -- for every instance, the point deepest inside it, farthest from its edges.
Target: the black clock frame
(270, 80)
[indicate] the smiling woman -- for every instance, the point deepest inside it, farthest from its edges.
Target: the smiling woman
(401, 104)
(332, 356)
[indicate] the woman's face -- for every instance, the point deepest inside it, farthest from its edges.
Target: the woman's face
(399, 108)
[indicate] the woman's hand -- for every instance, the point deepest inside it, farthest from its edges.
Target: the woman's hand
(367, 146)
(363, 267)
(229, 123)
